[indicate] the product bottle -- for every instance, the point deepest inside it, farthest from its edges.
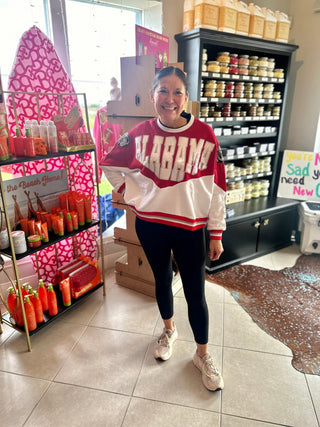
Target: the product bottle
(18, 142)
(69, 223)
(29, 144)
(43, 295)
(64, 287)
(30, 314)
(37, 307)
(52, 301)
(12, 303)
(52, 137)
(35, 130)
(27, 125)
(25, 289)
(44, 132)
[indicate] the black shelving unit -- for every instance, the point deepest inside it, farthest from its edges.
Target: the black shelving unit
(254, 227)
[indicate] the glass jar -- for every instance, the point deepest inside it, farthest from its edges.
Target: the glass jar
(252, 113)
(221, 84)
(211, 110)
(234, 58)
(233, 69)
(260, 110)
(223, 57)
(263, 62)
(253, 71)
(210, 84)
(211, 93)
(244, 60)
(262, 72)
(229, 93)
(217, 113)
(248, 93)
(220, 93)
(253, 61)
(229, 86)
(239, 86)
(271, 63)
(257, 94)
(270, 73)
(243, 70)
(276, 111)
(278, 73)
(213, 66)
(238, 93)
(224, 67)
(276, 95)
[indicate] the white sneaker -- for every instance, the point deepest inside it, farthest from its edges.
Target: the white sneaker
(163, 349)
(211, 377)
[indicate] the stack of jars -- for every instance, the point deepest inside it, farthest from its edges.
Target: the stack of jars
(210, 87)
(204, 59)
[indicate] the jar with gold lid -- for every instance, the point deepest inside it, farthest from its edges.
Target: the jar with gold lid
(277, 95)
(253, 61)
(243, 70)
(234, 58)
(263, 62)
(210, 84)
(253, 70)
(278, 73)
(213, 66)
(221, 84)
(244, 60)
(224, 67)
(262, 72)
(223, 57)
(271, 63)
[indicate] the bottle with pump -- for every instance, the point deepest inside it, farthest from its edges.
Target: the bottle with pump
(30, 314)
(37, 307)
(52, 137)
(18, 314)
(43, 295)
(52, 301)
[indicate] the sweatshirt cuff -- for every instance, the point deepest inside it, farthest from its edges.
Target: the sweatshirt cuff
(215, 234)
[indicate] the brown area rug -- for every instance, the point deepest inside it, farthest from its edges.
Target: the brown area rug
(284, 303)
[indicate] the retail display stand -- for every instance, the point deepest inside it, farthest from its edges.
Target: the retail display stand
(263, 223)
(54, 239)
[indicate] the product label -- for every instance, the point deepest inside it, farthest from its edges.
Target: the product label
(283, 29)
(270, 30)
(188, 20)
(243, 21)
(256, 26)
(228, 18)
(206, 15)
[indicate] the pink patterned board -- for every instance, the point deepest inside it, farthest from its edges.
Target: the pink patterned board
(37, 68)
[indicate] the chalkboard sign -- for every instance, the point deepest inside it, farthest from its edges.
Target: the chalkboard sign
(300, 176)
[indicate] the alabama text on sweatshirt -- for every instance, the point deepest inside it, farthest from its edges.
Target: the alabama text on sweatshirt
(171, 176)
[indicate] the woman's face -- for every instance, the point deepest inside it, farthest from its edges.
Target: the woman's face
(169, 99)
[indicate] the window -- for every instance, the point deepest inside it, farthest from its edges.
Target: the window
(17, 17)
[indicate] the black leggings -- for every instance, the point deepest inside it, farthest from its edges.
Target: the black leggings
(189, 250)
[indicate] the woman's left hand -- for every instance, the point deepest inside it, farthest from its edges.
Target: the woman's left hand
(215, 249)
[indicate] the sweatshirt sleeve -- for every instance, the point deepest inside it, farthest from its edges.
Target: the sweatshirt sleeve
(217, 222)
(119, 162)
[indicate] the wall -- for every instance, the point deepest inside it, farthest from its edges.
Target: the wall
(303, 110)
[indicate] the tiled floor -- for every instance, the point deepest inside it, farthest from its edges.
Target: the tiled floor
(95, 367)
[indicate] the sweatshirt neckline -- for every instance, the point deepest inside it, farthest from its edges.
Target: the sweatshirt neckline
(176, 130)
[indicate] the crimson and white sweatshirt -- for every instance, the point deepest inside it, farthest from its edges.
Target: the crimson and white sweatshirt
(171, 176)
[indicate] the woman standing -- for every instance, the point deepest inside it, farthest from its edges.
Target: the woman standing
(171, 174)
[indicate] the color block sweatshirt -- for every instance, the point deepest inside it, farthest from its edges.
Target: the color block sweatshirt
(171, 176)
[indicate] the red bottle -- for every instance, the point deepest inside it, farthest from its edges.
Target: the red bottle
(12, 303)
(43, 295)
(30, 314)
(29, 144)
(18, 314)
(52, 301)
(18, 142)
(37, 307)
(25, 290)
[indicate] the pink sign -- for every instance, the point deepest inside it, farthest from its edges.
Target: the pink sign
(151, 43)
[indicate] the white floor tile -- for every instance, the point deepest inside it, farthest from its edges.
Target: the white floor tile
(70, 406)
(147, 413)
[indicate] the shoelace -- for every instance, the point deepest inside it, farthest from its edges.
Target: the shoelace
(210, 366)
(164, 339)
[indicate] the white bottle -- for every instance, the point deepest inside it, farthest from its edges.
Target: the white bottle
(35, 131)
(44, 133)
(27, 125)
(52, 137)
